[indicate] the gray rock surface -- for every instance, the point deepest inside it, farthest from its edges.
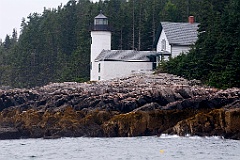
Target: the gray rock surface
(105, 108)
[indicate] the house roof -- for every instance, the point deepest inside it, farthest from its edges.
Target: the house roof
(180, 33)
(126, 55)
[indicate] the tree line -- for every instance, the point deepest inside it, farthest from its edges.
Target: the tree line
(54, 46)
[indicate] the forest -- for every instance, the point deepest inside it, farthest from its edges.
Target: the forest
(54, 46)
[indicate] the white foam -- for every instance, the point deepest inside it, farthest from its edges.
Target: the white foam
(166, 136)
(214, 137)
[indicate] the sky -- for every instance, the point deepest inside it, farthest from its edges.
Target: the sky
(12, 12)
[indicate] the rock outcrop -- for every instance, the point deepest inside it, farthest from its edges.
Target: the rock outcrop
(220, 122)
(145, 104)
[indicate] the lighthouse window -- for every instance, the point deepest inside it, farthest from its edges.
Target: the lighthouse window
(101, 22)
(99, 67)
(105, 21)
(98, 21)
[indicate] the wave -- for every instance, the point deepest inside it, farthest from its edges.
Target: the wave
(167, 136)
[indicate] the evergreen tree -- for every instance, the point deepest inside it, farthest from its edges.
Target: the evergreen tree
(7, 42)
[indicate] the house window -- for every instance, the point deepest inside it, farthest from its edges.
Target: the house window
(99, 78)
(99, 67)
(163, 45)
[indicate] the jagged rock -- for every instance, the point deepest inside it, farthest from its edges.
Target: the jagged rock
(220, 122)
(145, 104)
(9, 133)
(148, 107)
(141, 123)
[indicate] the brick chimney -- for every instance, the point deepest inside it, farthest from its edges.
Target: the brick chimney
(191, 19)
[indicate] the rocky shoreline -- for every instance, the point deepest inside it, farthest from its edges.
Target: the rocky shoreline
(139, 105)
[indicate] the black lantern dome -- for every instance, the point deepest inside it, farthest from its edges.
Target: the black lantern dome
(101, 23)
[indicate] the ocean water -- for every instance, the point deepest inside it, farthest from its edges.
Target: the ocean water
(164, 147)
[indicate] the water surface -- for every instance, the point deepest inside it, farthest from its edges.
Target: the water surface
(130, 148)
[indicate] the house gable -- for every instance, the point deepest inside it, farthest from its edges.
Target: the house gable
(161, 40)
(179, 37)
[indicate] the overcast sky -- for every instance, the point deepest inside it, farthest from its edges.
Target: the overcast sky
(12, 12)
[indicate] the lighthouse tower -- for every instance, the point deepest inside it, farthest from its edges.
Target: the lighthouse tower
(101, 40)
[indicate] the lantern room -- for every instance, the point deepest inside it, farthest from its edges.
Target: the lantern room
(101, 23)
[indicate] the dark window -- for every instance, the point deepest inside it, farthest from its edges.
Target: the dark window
(99, 67)
(163, 45)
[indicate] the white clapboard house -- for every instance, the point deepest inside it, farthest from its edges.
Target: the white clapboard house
(108, 64)
(177, 37)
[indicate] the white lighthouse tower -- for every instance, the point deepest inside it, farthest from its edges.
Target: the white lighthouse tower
(101, 40)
